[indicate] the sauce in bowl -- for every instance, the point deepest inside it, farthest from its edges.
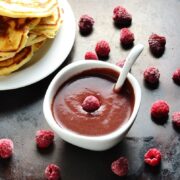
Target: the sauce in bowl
(115, 109)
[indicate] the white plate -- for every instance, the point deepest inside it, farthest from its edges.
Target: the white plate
(48, 58)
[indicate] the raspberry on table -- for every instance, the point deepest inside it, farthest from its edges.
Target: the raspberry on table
(86, 24)
(176, 76)
(52, 172)
(151, 75)
(157, 44)
(152, 157)
(44, 138)
(120, 166)
(160, 109)
(176, 119)
(121, 16)
(126, 37)
(91, 55)
(91, 104)
(121, 63)
(6, 148)
(102, 49)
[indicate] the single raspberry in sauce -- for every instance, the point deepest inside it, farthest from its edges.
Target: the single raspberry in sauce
(157, 44)
(152, 157)
(52, 172)
(126, 37)
(91, 55)
(160, 109)
(176, 76)
(86, 24)
(151, 75)
(91, 104)
(120, 166)
(121, 17)
(102, 49)
(121, 62)
(44, 138)
(6, 148)
(176, 119)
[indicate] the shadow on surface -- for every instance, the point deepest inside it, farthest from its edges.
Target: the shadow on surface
(19, 98)
(150, 86)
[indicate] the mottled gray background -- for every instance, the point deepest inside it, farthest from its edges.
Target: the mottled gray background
(21, 110)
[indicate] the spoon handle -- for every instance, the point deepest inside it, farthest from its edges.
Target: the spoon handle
(131, 58)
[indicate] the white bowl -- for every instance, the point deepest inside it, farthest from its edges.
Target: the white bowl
(97, 143)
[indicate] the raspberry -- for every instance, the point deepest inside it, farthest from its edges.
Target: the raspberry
(126, 37)
(90, 104)
(86, 24)
(159, 109)
(120, 63)
(152, 157)
(120, 166)
(44, 138)
(90, 55)
(157, 44)
(102, 49)
(151, 75)
(176, 119)
(52, 172)
(6, 148)
(121, 16)
(176, 76)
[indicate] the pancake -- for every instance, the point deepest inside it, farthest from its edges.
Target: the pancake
(33, 39)
(24, 28)
(14, 35)
(27, 8)
(49, 25)
(14, 63)
(2, 58)
(38, 45)
(33, 22)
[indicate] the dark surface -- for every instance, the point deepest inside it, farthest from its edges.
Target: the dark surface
(21, 110)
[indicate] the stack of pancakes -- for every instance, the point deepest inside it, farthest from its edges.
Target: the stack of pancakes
(24, 27)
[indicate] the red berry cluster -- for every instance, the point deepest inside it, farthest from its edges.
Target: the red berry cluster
(157, 44)
(152, 157)
(91, 104)
(122, 18)
(86, 24)
(176, 119)
(6, 148)
(160, 109)
(176, 76)
(151, 75)
(44, 138)
(121, 63)
(52, 172)
(120, 167)
(126, 37)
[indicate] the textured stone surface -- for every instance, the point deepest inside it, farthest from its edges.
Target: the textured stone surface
(21, 110)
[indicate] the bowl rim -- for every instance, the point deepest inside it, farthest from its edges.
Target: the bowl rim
(119, 131)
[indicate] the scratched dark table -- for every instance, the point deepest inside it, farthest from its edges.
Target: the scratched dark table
(21, 112)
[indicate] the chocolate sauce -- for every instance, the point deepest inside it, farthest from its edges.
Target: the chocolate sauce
(115, 109)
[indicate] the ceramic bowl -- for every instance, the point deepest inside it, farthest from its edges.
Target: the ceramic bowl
(97, 143)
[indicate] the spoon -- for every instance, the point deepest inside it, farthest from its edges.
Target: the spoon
(130, 60)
